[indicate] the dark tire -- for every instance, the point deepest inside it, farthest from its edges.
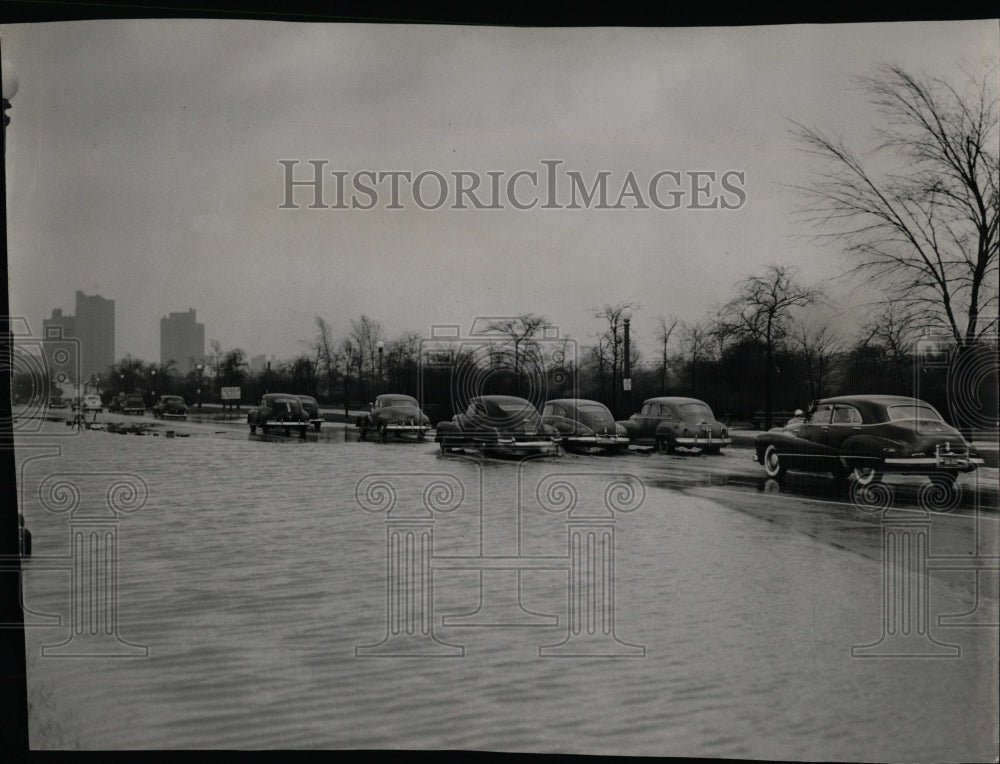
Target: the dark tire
(665, 445)
(773, 466)
(383, 433)
(287, 431)
(316, 426)
(302, 433)
(253, 429)
(713, 450)
(265, 429)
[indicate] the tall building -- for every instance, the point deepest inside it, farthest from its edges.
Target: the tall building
(93, 327)
(182, 340)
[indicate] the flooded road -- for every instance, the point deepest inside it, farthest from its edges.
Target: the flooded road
(278, 593)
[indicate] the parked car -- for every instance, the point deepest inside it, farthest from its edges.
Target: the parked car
(115, 404)
(394, 414)
(585, 425)
(669, 423)
(92, 403)
(868, 436)
(57, 402)
(311, 407)
(170, 407)
(278, 411)
(500, 425)
(134, 404)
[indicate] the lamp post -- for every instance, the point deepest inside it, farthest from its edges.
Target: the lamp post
(381, 346)
(152, 373)
(627, 365)
(199, 367)
(122, 375)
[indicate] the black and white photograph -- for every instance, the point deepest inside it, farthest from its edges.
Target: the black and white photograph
(578, 390)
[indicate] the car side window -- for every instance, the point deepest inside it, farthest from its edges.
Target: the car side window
(846, 415)
(823, 414)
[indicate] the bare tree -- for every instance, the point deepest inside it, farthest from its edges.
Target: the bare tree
(695, 339)
(325, 348)
(923, 225)
(818, 349)
(761, 312)
(667, 327)
(520, 332)
(366, 333)
(611, 354)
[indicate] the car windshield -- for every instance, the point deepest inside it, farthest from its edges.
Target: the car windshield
(398, 402)
(912, 411)
(172, 399)
(696, 409)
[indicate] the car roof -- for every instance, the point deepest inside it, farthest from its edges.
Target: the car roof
(574, 402)
(395, 395)
(305, 397)
(281, 395)
(882, 400)
(675, 400)
(501, 399)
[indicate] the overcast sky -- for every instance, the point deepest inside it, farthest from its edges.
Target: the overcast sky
(143, 165)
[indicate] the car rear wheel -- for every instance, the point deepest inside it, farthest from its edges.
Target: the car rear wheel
(665, 445)
(253, 429)
(772, 463)
(264, 429)
(866, 475)
(713, 450)
(316, 426)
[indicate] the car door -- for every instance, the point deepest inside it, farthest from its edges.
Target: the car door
(846, 421)
(808, 445)
(647, 421)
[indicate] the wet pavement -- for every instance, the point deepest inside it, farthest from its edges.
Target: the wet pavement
(744, 610)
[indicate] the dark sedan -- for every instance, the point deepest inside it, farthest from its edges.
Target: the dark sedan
(669, 423)
(585, 426)
(311, 406)
(170, 407)
(394, 414)
(867, 436)
(278, 411)
(501, 425)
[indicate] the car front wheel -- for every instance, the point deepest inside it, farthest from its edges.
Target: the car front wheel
(772, 463)
(665, 445)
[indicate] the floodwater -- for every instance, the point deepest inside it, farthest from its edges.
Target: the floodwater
(258, 583)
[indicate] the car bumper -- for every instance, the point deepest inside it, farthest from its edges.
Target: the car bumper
(133, 411)
(964, 464)
(173, 415)
(596, 440)
(418, 428)
(701, 442)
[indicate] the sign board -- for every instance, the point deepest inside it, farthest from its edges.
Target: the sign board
(230, 393)
(627, 384)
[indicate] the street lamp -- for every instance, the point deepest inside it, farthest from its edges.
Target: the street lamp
(627, 365)
(381, 381)
(123, 381)
(152, 373)
(199, 367)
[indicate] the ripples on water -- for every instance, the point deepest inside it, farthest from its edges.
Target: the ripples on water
(252, 575)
